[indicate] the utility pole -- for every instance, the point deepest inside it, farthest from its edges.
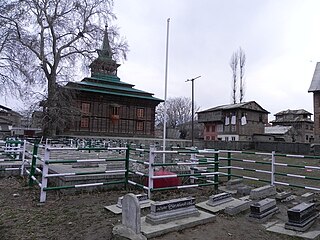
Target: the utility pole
(192, 108)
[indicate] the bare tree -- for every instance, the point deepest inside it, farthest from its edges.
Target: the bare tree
(242, 63)
(238, 58)
(234, 67)
(179, 112)
(47, 41)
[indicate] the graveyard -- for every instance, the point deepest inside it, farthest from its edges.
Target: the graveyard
(243, 205)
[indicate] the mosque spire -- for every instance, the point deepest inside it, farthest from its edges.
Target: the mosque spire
(105, 52)
(104, 64)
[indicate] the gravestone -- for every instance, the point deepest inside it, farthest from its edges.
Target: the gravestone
(263, 192)
(220, 198)
(142, 198)
(131, 212)
(301, 217)
(281, 196)
(166, 211)
(131, 220)
(308, 197)
(263, 210)
(243, 190)
(233, 184)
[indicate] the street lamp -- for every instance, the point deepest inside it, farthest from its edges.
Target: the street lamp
(192, 110)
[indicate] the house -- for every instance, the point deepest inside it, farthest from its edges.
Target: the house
(315, 89)
(300, 121)
(108, 106)
(8, 119)
(279, 133)
(233, 122)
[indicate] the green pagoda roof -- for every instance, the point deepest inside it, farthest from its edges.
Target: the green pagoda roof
(104, 79)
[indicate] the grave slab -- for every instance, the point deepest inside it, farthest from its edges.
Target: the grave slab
(301, 217)
(220, 198)
(279, 227)
(234, 207)
(263, 192)
(263, 210)
(151, 231)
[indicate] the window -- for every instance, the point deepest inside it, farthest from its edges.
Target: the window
(307, 137)
(85, 108)
(207, 137)
(140, 126)
(260, 118)
(84, 122)
(233, 138)
(226, 139)
(140, 112)
(115, 110)
(207, 128)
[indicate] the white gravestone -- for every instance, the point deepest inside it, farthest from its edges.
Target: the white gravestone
(131, 213)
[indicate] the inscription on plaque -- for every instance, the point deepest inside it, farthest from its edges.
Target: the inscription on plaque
(162, 207)
(166, 211)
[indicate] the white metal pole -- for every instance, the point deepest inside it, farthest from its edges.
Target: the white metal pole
(45, 170)
(165, 95)
(151, 170)
(273, 160)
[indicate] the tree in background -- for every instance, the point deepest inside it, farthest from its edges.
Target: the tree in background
(234, 67)
(242, 63)
(46, 42)
(178, 114)
(237, 65)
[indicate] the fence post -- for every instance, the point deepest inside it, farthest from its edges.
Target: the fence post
(273, 159)
(151, 170)
(23, 157)
(216, 170)
(33, 163)
(45, 170)
(193, 159)
(229, 166)
(127, 166)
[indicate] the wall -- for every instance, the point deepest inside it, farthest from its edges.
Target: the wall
(280, 147)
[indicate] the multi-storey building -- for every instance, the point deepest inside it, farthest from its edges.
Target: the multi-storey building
(300, 121)
(233, 122)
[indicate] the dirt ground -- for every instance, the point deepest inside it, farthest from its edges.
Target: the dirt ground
(82, 216)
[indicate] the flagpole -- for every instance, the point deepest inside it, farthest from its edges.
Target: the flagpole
(165, 95)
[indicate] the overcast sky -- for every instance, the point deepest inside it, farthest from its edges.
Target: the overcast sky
(281, 39)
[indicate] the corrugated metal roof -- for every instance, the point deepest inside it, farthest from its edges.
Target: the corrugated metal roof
(293, 112)
(234, 106)
(114, 93)
(277, 129)
(315, 83)
(112, 87)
